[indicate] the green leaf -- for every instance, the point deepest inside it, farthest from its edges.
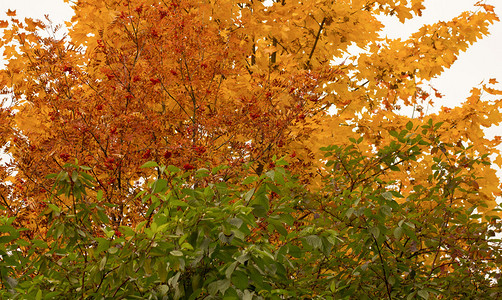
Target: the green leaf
(52, 295)
(177, 203)
(237, 222)
(240, 280)
(278, 226)
(163, 289)
(74, 176)
(287, 219)
(103, 217)
(54, 207)
(140, 226)
(39, 295)
(202, 173)
(249, 194)
(394, 168)
(219, 168)
(102, 263)
(332, 286)
(424, 294)
(220, 285)
(375, 231)
(247, 295)
(294, 251)
(231, 269)
(281, 162)
(270, 174)
(314, 241)
(243, 258)
(99, 196)
(398, 232)
(159, 186)
(386, 210)
(173, 169)
(250, 179)
(50, 176)
(103, 244)
(7, 228)
(127, 231)
(22, 243)
(409, 125)
(396, 194)
(437, 125)
(410, 233)
(152, 207)
(176, 253)
(88, 178)
(409, 224)
(387, 195)
(260, 202)
(411, 296)
(39, 244)
(186, 246)
(6, 238)
(149, 164)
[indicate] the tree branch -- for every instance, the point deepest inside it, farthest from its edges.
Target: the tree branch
(321, 27)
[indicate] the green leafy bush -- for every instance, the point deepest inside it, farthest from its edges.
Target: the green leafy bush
(266, 237)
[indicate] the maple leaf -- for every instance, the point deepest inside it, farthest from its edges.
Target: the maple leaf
(11, 13)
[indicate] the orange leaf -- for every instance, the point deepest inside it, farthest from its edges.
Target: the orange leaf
(488, 7)
(11, 13)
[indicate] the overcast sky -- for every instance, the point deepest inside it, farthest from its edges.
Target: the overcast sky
(481, 62)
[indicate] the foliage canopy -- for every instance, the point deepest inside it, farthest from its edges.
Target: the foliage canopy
(244, 149)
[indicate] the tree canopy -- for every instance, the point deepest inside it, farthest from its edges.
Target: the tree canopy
(212, 149)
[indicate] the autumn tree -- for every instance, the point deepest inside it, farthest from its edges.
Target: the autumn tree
(201, 84)
(190, 85)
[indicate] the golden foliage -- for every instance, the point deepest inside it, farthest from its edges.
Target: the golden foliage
(210, 82)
